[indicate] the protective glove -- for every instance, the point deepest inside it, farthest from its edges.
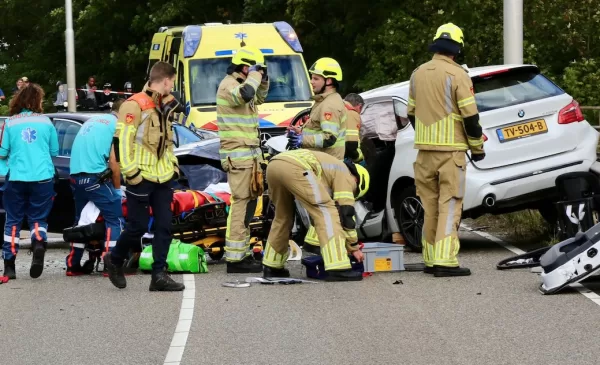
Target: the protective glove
(477, 156)
(255, 68)
(295, 139)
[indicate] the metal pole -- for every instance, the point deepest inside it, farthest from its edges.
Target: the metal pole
(69, 35)
(513, 31)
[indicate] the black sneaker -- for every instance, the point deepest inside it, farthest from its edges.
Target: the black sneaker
(9, 269)
(37, 262)
(79, 270)
(429, 270)
(163, 282)
(270, 272)
(446, 271)
(343, 275)
(311, 248)
(246, 266)
(115, 273)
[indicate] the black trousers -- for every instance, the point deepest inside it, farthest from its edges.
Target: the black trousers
(139, 198)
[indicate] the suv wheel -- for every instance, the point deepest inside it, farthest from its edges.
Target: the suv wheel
(410, 216)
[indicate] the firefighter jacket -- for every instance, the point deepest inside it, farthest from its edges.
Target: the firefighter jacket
(353, 151)
(237, 118)
(145, 138)
(442, 109)
(337, 179)
(326, 128)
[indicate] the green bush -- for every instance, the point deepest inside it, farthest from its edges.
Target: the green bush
(4, 110)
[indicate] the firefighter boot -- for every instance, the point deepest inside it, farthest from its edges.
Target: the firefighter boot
(247, 265)
(271, 272)
(163, 282)
(115, 273)
(9, 269)
(445, 271)
(37, 261)
(343, 275)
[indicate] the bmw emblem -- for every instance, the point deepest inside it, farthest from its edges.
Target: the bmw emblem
(521, 113)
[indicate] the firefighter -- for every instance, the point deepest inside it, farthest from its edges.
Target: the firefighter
(442, 110)
(29, 141)
(96, 177)
(353, 103)
(145, 156)
(308, 176)
(245, 86)
(326, 128)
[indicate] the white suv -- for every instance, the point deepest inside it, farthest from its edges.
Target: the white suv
(534, 131)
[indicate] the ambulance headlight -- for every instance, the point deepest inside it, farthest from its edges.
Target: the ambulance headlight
(191, 39)
(289, 35)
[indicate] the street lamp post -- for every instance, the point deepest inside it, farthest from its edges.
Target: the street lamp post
(69, 35)
(513, 31)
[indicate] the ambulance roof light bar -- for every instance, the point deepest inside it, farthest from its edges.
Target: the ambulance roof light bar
(191, 39)
(289, 35)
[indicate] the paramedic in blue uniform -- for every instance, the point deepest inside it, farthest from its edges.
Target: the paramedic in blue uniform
(29, 142)
(96, 178)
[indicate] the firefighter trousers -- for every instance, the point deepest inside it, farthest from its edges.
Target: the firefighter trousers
(287, 181)
(241, 211)
(440, 181)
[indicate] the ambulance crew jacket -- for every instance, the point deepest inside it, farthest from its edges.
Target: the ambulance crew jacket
(240, 152)
(29, 141)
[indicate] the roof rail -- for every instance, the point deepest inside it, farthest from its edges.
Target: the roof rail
(213, 23)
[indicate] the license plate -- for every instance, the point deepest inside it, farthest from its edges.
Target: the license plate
(522, 130)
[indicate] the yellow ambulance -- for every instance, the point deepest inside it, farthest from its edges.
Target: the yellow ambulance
(202, 53)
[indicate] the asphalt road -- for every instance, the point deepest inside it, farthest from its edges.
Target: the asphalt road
(491, 317)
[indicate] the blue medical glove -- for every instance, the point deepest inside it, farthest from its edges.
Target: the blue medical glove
(254, 68)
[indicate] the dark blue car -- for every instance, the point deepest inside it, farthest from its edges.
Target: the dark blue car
(67, 125)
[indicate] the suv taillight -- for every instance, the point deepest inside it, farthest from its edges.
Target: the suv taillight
(570, 114)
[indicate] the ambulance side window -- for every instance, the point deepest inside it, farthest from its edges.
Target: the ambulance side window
(174, 52)
(180, 81)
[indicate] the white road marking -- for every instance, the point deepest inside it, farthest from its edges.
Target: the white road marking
(586, 292)
(184, 324)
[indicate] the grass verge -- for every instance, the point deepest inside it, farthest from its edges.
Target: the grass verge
(526, 226)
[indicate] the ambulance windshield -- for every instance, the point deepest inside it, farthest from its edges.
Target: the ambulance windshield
(288, 80)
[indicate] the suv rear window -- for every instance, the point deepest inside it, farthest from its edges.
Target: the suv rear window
(513, 87)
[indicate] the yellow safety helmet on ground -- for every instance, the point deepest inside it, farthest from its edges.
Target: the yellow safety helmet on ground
(249, 56)
(448, 38)
(327, 67)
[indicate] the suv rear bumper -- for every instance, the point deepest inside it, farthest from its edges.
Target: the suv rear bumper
(527, 179)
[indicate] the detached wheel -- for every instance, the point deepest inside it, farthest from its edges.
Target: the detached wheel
(410, 216)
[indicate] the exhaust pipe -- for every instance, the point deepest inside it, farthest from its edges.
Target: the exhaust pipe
(489, 200)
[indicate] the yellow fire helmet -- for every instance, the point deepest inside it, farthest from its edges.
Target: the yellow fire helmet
(363, 182)
(327, 67)
(451, 32)
(249, 56)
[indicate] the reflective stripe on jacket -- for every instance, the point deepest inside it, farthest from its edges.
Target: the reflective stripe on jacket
(440, 97)
(237, 118)
(326, 129)
(145, 137)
